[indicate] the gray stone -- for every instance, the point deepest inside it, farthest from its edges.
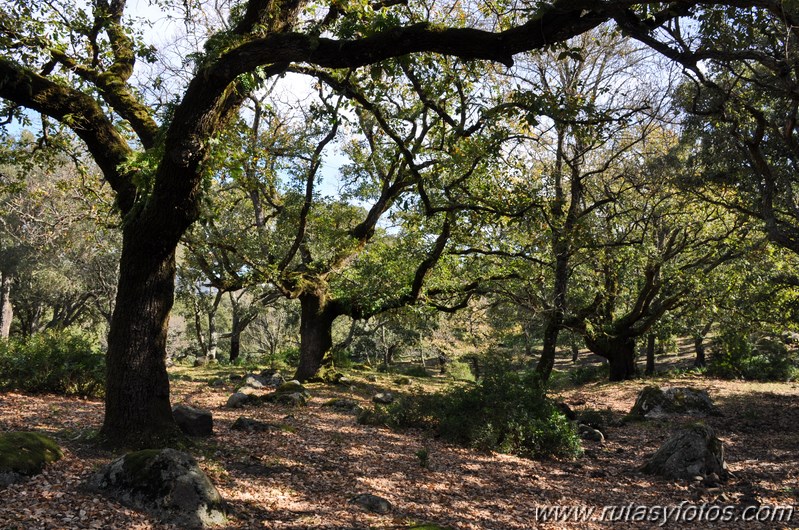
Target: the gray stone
(251, 425)
(342, 404)
(165, 483)
(373, 503)
(272, 378)
(290, 393)
(693, 451)
(587, 432)
(290, 387)
(294, 399)
(193, 421)
(254, 381)
(654, 402)
(217, 382)
(384, 398)
(238, 399)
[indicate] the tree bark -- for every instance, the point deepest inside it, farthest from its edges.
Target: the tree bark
(137, 408)
(620, 353)
(316, 334)
(6, 309)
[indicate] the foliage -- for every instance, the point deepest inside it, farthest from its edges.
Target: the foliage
(65, 362)
(506, 411)
(588, 374)
(737, 354)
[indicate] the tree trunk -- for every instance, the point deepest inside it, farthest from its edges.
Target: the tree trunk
(699, 346)
(555, 320)
(650, 354)
(137, 408)
(6, 309)
(316, 335)
(620, 353)
(235, 336)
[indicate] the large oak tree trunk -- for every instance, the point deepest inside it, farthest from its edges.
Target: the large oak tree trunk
(620, 353)
(316, 335)
(137, 408)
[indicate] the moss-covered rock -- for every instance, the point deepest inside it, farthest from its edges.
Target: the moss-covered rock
(23, 454)
(165, 483)
(692, 451)
(653, 402)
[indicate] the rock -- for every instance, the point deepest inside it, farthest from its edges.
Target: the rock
(289, 387)
(192, 421)
(165, 483)
(587, 432)
(200, 361)
(373, 503)
(371, 378)
(402, 380)
(342, 404)
(345, 381)
(296, 399)
(566, 410)
(692, 451)
(251, 425)
(654, 402)
(290, 393)
(272, 378)
(217, 382)
(384, 398)
(254, 381)
(24, 454)
(238, 399)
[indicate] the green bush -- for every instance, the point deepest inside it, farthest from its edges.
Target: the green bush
(459, 371)
(735, 354)
(506, 411)
(588, 374)
(59, 362)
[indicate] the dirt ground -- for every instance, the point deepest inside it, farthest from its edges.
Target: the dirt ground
(301, 477)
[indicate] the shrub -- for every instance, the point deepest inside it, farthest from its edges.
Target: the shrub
(506, 411)
(459, 371)
(63, 362)
(588, 374)
(735, 354)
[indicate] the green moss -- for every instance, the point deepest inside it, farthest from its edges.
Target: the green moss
(137, 464)
(27, 453)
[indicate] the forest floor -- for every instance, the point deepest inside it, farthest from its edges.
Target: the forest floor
(302, 476)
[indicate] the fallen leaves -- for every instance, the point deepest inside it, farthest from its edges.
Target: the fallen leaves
(302, 477)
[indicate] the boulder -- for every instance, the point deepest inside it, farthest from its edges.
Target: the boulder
(238, 399)
(165, 483)
(251, 425)
(24, 454)
(290, 393)
(693, 451)
(272, 378)
(254, 381)
(587, 432)
(373, 503)
(384, 398)
(217, 382)
(654, 402)
(192, 421)
(342, 404)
